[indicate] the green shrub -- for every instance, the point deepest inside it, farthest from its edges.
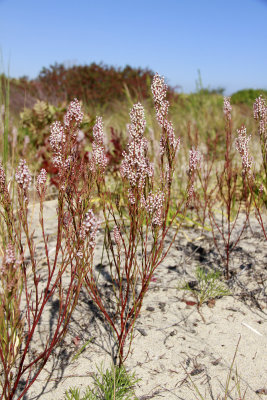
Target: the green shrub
(247, 96)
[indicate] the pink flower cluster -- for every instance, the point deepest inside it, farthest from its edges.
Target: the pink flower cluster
(159, 91)
(10, 258)
(259, 108)
(117, 236)
(74, 113)
(23, 176)
(153, 205)
(89, 228)
(99, 159)
(2, 178)
(138, 122)
(190, 193)
(242, 142)
(227, 108)
(58, 135)
(41, 181)
(135, 166)
(194, 160)
(260, 113)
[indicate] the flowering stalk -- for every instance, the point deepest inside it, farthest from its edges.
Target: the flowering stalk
(242, 146)
(20, 280)
(169, 145)
(194, 162)
(225, 190)
(204, 196)
(145, 227)
(260, 115)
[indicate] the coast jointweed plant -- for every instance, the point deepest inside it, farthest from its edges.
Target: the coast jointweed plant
(256, 190)
(146, 205)
(224, 222)
(27, 290)
(260, 115)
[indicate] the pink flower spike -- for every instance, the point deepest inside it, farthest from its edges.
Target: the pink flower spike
(2, 178)
(57, 137)
(227, 108)
(154, 206)
(74, 113)
(90, 227)
(41, 181)
(98, 131)
(10, 258)
(135, 166)
(190, 193)
(194, 159)
(117, 236)
(137, 128)
(159, 89)
(242, 142)
(259, 108)
(23, 176)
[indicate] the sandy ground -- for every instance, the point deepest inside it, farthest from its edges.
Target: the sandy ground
(173, 342)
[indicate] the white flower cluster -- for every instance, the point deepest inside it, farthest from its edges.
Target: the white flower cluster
(259, 108)
(194, 159)
(10, 255)
(138, 125)
(159, 91)
(58, 137)
(99, 159)
(74, 113)
(135, 166)
(117, 236)
(41, 181)
(2, 178)
(153, 205)
(89, 228)
(242, 142)
(23, 176)
(227, 108)
(260, 113)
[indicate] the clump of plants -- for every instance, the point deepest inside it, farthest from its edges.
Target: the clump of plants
(26, 290)
(78, 181)
(138, 212)
(138, 218)
(257, 190)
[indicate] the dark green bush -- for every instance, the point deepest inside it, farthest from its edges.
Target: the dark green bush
(247, 96)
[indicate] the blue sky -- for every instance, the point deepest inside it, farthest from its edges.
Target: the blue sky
(225, 39)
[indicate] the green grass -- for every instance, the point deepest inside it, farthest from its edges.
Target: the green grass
(114, 384)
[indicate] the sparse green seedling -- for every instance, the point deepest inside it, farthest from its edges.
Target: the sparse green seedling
(113, 384)
(207, 287)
